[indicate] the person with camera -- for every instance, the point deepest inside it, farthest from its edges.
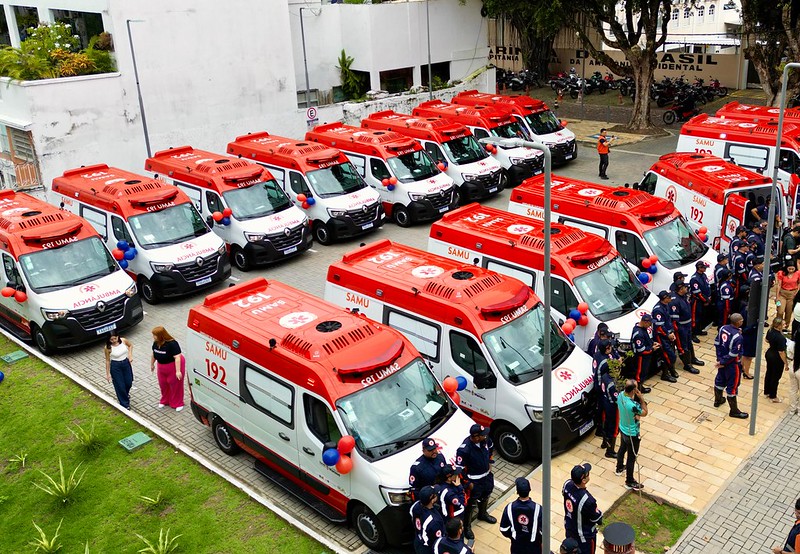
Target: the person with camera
(632, 407)
(603, 142)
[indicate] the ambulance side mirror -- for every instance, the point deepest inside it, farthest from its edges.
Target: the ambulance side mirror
(484, 379)
(210, 221)
(329, 444)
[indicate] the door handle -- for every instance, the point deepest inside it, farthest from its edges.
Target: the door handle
(308, 451)
(284, 436)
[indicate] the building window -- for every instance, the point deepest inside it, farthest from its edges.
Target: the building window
(5, 37)
(711, 9)
(27, 18)
(701, 11)
(397, 80)
(84, 24)
(440, 72)
(675, 13)
(687, 14)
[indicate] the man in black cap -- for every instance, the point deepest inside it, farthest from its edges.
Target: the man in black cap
(728, 347)
(663, 334)
(427, 469)
(452, 497)
(522, 521)
(608, 401)
(677, 279)
(452, 543)
(700, 291)
(475, 457)
(741, 236)
(756, 238)
(568, 546)
(681, 314)
(581, 515)
(428, 523)
(600, 334)
(740, 267)
(642, 346)
(727, 297)
(722, 264)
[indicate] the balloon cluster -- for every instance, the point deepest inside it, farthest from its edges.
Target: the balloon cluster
(223, 217)
(702, 233)
(577, 316)
(452, 385)
(491, 148)
(124, 253)
(442, 166)
(389, 183)
(339, 457)
(648, 265)
(306, 201)
(18, 295)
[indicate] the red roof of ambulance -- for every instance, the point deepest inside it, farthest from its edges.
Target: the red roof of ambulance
(383, 144)
(206, 169)
(117, 191)
(747, 112)
(28, 224)
(433, 286)
(620, 207)
(708, 175)
(285, 152)
(484, 116)
(426, 128)
(517, 104)
(518, 238)
(765, 132)
(318, 345)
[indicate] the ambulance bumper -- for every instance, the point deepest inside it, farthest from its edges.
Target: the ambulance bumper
(174, 283)
(425, 210)
(397, 524)
(265, 252)
(519, 172)
(345, 227)
(569, 425)
(564, 152)
(485, 187)
(68, 332)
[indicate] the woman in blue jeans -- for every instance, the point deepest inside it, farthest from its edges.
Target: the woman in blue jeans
(119, 355)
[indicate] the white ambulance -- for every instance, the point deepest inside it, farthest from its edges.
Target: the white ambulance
(750, 145)
(321, 180)
(242, 203)
(451, 145)
(585, 267)
(518, 162)
(412, 187)
(532, 114)
(637, 224)
(483, 327)
(61, 286)
(333, 406)
(173, 251)
(714, 194)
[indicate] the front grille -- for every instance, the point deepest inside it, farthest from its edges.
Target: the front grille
(361, 217)
(534, 165)
(92, 318)
(440, 200)
(563, 149)
(489, 180)
(579, 413)
(282, 241)
(193, 272)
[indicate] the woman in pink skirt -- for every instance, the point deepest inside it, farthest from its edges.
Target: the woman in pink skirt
(167, 353)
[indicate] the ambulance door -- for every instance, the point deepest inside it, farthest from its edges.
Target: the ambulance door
(215, 204)
(119, 231)
(15, 312)
(562, 301)
(268, 417)
(317, 431)
(733, 215)
(788, 171)
(464, 356)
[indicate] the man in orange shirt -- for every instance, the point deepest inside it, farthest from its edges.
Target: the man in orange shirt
(603, 142)
(793, 540)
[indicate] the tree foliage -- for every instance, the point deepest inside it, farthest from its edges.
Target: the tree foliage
(351, 81)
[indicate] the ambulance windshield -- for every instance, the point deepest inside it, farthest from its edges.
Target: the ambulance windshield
(259, 200)
(168, 226)
(543, 123)
(414, 166)
(517, 348)
(464, 150)
(611, 290)
(675, 244)
(67, 266)
(335, 180)
(396, 412)
(511, 130)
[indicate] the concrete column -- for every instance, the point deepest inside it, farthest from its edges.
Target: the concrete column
(45, 15)
(416, 75)
(375, 80)
(11, 21)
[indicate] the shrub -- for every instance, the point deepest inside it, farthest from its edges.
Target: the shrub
(87, 438)
(42, 543)
(164, 545)
(63, 489)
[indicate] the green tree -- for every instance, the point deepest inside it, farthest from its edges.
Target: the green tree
(351, 81)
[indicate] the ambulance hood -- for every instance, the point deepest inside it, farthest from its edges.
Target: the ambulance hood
(185, 252)
(571, 379)
(522, 152)
(86, 295)
(274, 223)
(432, 185)
(482, 167)
(623, 325)
(353, 200)
(710, 257)
(559, 137)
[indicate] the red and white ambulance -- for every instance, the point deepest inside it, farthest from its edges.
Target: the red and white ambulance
(518, 162)
(321, 180)
(479, 325)
(241, 202)
(534, 116)
(299, 383)
(757, 114)
(174, 251)
(714, 193)
(750, 145)
(637, 224)
(451, 145)
(412, 187)
(584, 267)
(61, 286)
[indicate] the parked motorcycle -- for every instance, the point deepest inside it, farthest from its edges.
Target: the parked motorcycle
(683, 108)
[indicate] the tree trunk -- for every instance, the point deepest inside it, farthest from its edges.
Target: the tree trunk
(540, 56)
(761, 65)
(643, 76)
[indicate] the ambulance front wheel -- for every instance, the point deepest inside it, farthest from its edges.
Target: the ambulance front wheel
(240, 259)
(42, 343)
(223, 437)
(369, 528)
(510, 443)
(148, 291)
(401, 215)
(322, 234)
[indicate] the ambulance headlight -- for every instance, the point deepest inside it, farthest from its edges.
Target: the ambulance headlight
(222, 250)
(537, 415)
(395, 497)
(470, 177)
(162, 267)
(254, 237)
(52, 315)
(415, 196)
(131, 290)
(516, 161)
(336, 213)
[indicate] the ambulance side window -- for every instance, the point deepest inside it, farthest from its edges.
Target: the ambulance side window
(433, 149)
(789, 161)
(526, 276)
(378, 169)
(648, 184)
(360, 162)
(320, 420)
(480, 133)
(269, 395)
(630, 246)
(467, 354)
(194, 195)
(423, 335)
(213, 201)
(120, 230)
(563, 299)
(12, 274)
(298, 184)
(96, 218)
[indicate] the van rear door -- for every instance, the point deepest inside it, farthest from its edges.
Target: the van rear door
(733, 216)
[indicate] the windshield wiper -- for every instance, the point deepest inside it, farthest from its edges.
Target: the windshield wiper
(95, 275)
(397, 444)
(49, 287)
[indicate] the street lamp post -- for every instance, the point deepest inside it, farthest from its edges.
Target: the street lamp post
(305, 58)
(138, 86)
(430, 70)
(768, 248)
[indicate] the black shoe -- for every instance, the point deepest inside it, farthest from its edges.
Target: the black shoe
(695, 340)
(468, 534)
(692, 370)
(701, 333)
(487, 518)
(634, 486)
(604, 177)
(644, 390)
(611, 454)
(701, 363)
(668, 377)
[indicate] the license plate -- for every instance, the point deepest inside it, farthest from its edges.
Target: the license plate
(585, 428)
(106, 329)
(291, 250)
(493, 189)
(367, 226)
(568, 157)
(442, 210)
(202, 282)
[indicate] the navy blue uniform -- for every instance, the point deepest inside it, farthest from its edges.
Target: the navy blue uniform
(662, 329)
(452, 501)
(681, 315)
(642, 346)
(446, 545)
(700, 289)
(793, 540)
(425, 472)
(740, 268)
(759, 242)
(728, 346)
(581, 516)
(428, 527)
(719, 268)
(476, 461)
(727, 298)
(608, 398)
(522, 523)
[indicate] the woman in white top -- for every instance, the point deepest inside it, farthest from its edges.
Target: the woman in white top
(119, 355)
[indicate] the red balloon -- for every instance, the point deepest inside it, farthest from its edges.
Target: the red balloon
(456, 398)
(301, 198)
(584, 320)
(583, 307)
(8, 292)
(305, 205)
(566, 328)
(227, 212)
(217, 216)
(646, 263)
(702, 236)
(118, 254)
(703, 229)
(392, 180)
(572, 324)
(385, 182)
(441, 166)
(344, 465)
(450, 385)
(20, 296)
(346, 444)
(653, 259)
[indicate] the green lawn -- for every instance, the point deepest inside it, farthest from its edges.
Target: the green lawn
(658, 526)
(36, 406)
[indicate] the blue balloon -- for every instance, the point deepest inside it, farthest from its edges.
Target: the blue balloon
(226, 221)
(705, 238)
(123, 264)
(123, 245)
(462, 382)
(575, 314)
(571, 337)
(311, 200)
(130, 254)
(652, 270)
(390, 187)
(330, 457)
(644, 278)
(2, 376)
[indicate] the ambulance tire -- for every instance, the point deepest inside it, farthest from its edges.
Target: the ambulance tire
(148, 291)
(40, 339)
(240, 259)
(368, 527)
(402, 216)
(510, 443)
(223, 437)
(322, 234)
